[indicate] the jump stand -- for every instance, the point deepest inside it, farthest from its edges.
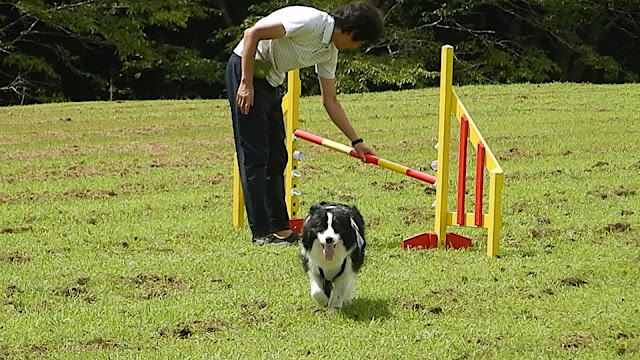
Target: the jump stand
(450, 105)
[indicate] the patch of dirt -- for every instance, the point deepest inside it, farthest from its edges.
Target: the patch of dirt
(250, 312)
(555, 200)
(101, 343)
(256, 304)
(443, 292)
(89, 194)
(182, 331)
(4, 198)
(543, 220)
(13, 290)
(514, 176)
(156, 286)
(34, 351)
(394, 186)
(518, 207)
(212, 325)
(621, 335)
(417, 306)
(8, 353)
(16, 304)
(598, 193)
(542, 231)
(621, 191)
(430, 190)
(347, 199)
(372, 221)
(575, 342)
(600, 164)
(618, 227)
(79, 292)
(548, 291)
(413, 215)
(16, 230)
(527, 294)
(79, 170)
(307, 168)
(185, 330)
(52, 153)
(217, 179)
(626, 212)
(514, 153)
(628, 350)
(604, 193)
(572, 281)
(13, 258)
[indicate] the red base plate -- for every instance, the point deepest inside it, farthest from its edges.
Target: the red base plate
(430, 240)
(296, 225)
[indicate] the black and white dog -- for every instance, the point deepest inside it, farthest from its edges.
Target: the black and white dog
(332, 252)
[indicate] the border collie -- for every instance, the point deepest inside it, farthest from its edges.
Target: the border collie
(332, 252)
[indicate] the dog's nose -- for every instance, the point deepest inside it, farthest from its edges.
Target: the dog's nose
(329, 240)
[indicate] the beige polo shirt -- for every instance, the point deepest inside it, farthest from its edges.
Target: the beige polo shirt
(307, 42)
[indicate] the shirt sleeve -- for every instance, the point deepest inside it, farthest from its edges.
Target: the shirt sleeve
(327, 69)
(297, 21)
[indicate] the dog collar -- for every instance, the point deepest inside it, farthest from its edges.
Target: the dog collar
(344, 264)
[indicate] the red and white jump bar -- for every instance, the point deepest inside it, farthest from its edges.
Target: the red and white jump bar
(369, 158)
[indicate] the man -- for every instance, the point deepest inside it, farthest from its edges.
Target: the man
(287, 39)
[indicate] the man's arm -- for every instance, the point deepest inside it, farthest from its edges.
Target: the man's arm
(252, 36)
(338, 116)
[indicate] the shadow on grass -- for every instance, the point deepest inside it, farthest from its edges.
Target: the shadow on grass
(367, 309)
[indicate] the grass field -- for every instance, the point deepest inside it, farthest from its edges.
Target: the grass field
(116, 238)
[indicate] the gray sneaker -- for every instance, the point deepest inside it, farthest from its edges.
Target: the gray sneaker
(261, 240)
(275, 240)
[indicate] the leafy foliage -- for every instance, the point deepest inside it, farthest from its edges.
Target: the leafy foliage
(130, 49)
(98, 42)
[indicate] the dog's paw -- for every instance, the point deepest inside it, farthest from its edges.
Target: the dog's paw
(321, 298)
(334, 310)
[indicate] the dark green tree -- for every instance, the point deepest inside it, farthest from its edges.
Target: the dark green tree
(61, 50)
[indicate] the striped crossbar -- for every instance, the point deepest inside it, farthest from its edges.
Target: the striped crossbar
(369, 158)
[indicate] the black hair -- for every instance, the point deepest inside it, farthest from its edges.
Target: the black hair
(360, 18)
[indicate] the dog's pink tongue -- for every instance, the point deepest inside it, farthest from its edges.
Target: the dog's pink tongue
(327, 250)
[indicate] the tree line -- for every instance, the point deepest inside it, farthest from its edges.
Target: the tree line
(149, 49)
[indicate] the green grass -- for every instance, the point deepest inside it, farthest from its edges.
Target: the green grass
(116, 237)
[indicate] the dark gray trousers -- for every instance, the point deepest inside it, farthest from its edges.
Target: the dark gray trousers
(262, 154)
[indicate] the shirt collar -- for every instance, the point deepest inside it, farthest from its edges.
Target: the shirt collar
(328, 29)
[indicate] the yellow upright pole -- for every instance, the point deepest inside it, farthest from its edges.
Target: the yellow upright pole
(495, 217)
(291, 112)
(238, 198)
(291, 109)
(444, 136)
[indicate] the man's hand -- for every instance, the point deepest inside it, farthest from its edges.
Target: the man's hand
(244, 97)
(362, 149)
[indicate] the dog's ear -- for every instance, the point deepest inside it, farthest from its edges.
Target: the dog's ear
(314, 208)
(357, 216)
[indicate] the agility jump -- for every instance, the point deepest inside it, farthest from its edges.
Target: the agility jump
(450, 105)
